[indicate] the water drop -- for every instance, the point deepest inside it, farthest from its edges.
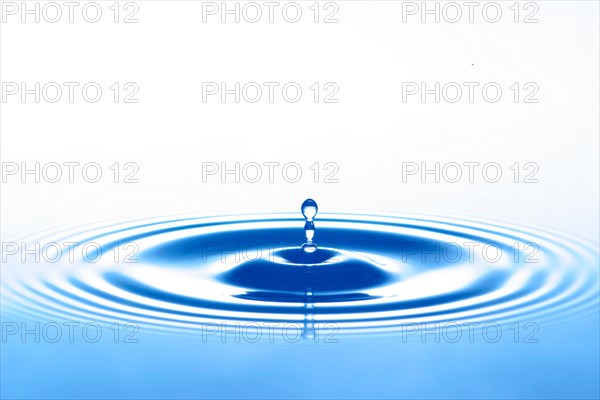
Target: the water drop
(309, 210)
(309, 230)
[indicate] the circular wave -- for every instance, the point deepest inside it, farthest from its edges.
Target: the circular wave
(371, 273)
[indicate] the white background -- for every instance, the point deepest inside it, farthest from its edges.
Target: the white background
(369, 133)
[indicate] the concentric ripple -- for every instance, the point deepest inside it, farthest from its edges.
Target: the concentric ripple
(370, 273)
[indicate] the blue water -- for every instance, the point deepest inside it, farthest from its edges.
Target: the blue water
(301, 306)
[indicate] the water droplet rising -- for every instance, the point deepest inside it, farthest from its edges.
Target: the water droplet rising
(309, 210)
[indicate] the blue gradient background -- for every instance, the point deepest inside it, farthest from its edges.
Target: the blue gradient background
(564, 364)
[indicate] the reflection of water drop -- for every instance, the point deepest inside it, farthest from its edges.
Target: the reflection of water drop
(308, 331)
(309, 210)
